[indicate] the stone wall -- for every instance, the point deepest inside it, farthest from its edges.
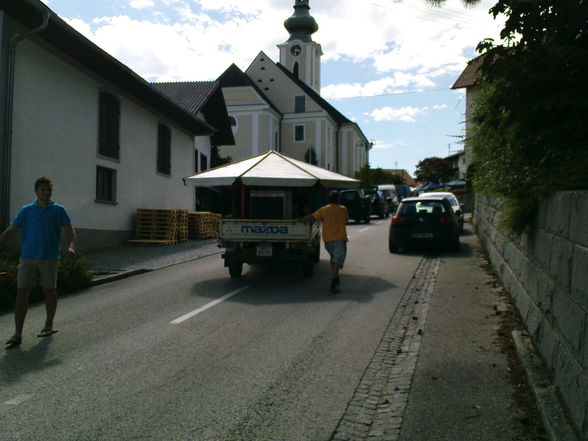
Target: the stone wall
(546, 273)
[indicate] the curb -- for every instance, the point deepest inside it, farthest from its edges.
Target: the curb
(554, 419)
(118, 276)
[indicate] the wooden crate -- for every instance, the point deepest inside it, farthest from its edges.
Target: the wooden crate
(203, 225)
(156, 227)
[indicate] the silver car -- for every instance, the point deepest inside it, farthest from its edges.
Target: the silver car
(455, 205)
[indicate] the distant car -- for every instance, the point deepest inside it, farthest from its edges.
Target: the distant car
(403, 191)
(391, 196)
(359, 205)
(380, 206)
(455, 205)
(424, 221)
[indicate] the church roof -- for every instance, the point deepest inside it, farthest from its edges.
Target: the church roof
(235, 77)
(205, 97)
(470, 74)
(192, 95)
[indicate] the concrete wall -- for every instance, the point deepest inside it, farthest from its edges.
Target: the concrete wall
(546, 272)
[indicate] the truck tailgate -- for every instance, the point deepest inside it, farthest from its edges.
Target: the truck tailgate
(248, 230)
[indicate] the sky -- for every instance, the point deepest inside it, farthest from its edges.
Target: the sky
(388, 65)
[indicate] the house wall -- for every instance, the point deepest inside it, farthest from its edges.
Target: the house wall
(56, 134)
(546, 273)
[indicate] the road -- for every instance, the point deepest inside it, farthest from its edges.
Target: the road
(186, 353)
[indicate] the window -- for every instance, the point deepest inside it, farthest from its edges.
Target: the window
(295, 70)
(163, 149)
(234, 124)
(298, 133)
(108, 126)
(299, 104)
(203, 162)
(105, 184)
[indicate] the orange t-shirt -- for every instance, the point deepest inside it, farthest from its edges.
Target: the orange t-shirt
(334, 218)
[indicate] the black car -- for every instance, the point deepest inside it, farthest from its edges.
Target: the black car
(424, 221)
(359, 204)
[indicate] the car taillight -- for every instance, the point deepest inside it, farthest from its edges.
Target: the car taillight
(298, 245)
(227, 244)
(446, 219)
(398, 220)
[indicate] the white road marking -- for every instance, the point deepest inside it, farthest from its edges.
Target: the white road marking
(207, 306)
(363, 229)
(20, 399)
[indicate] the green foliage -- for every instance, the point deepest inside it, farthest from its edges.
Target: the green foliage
(74, 274)
(530, 132)
(310, 156)
(216, 159)
(369, 176)
(434, 169)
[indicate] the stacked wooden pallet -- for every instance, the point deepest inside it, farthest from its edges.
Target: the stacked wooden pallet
(203, 225)
(183, 226)
(156, 227)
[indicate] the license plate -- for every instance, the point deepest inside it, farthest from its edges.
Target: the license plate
(422, 235)
(264, 249)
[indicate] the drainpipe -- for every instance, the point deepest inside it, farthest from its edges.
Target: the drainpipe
(6, 165)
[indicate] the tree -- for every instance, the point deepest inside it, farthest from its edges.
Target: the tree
(434, 169)
(369, 176)
(216, 159)
(529, 120)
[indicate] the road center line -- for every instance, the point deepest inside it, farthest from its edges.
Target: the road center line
(207, 306)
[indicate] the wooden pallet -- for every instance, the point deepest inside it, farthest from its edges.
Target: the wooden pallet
(203, 225)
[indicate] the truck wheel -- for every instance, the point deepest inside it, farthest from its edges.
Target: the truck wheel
(367, 218)
(235, 269)
(308, 267)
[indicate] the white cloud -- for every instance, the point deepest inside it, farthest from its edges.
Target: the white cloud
(141, 4)
(405, 42)
(404, 114)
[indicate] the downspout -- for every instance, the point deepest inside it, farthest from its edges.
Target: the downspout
(6, 166)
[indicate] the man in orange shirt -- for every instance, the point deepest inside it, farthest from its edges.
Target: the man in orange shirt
(334, 217)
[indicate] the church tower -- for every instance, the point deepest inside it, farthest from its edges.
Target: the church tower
(299, 54)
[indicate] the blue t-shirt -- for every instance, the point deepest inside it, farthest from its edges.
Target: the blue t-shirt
(41, 230)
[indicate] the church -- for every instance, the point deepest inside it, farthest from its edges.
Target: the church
(278, 106)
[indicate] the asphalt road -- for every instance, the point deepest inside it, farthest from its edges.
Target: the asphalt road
(186, 353)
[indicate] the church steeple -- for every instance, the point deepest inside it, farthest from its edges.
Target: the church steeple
(299, 54)
(301, 24)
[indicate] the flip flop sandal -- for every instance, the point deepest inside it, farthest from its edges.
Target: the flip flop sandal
(46, 332)
(13, 341)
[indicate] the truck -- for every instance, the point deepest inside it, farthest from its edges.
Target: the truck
(269, 235)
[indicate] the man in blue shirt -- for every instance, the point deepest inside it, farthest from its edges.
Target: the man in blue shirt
(41, 224)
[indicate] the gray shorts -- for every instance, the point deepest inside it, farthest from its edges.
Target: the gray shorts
(42, 272)
(337, 249)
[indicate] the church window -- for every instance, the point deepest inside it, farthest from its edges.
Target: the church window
(234, 124)
(300, 104)
(163, 149)
(295, 70)
(298, 133)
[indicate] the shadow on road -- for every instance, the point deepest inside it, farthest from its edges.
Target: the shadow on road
(282, 284)
(16, 363)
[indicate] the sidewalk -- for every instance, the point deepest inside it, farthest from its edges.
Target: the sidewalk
(446, 369)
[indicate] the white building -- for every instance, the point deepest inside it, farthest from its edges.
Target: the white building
(110, 141)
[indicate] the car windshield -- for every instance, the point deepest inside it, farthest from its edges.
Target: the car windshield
(349, 196)
(417, 208)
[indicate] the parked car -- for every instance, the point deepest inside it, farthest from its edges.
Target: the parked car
(358, 204)
(424, 221)
(403, 191)
(455, 205)
(391, 196)
(380, 206)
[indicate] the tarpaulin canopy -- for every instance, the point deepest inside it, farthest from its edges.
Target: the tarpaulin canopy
(271, 169)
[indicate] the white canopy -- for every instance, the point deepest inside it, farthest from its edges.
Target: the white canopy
(270, 169)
